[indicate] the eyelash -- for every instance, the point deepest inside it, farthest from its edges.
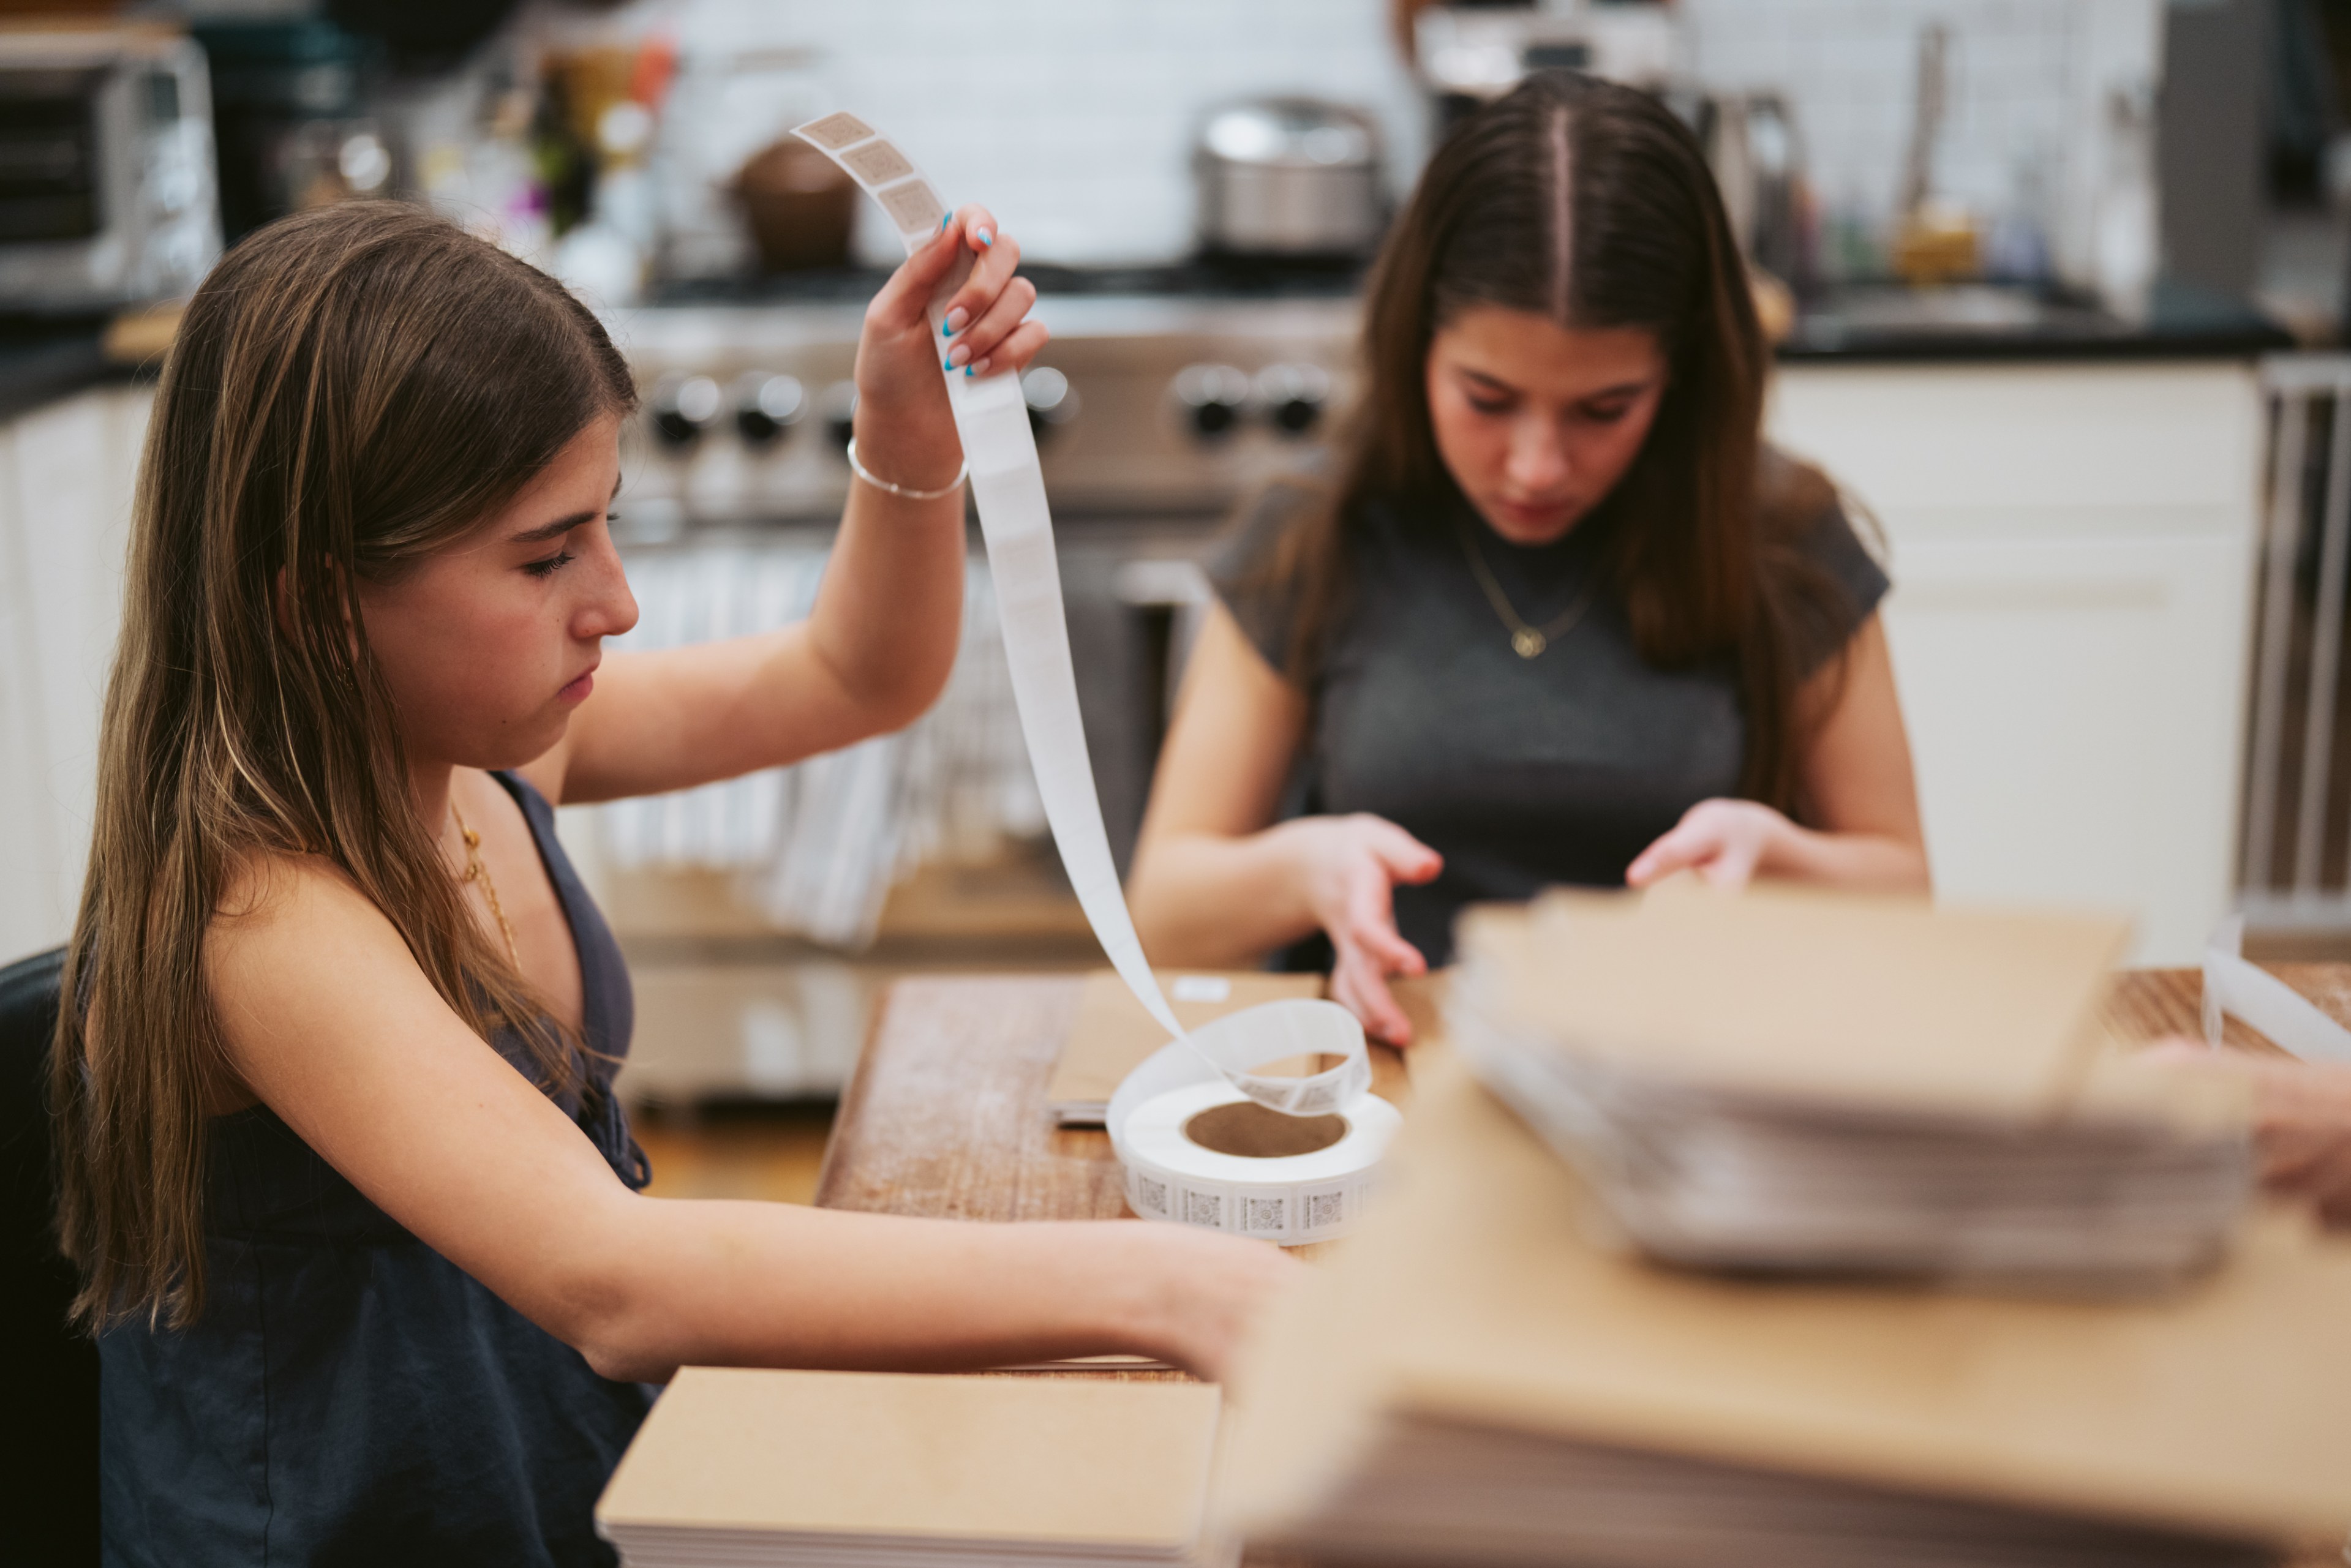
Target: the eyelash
(1608, 415)
(551, 566)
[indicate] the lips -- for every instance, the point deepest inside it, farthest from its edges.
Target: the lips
(1534, 514)
(576, 690)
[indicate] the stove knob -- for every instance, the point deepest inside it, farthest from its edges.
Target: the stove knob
(839, 409)
(1293, 396)
(684, 406)
(1211, 396)
(1052, 401)
(766, 406)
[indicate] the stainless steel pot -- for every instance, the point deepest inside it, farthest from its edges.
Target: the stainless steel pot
(1289, 176)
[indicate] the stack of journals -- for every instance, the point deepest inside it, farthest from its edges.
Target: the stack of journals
(1799, 1082)
(1471, 1380)
(739, 1467)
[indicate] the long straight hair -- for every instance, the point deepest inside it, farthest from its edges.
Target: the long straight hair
(1588, 203)
(349, 390)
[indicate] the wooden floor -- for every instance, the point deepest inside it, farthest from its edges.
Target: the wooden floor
(768, 1152)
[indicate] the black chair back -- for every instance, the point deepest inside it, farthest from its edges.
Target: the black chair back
(52, 1371)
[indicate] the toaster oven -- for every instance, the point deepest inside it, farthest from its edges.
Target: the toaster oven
(108, 192)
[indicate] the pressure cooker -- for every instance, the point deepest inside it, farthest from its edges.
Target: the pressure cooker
(1289, 177)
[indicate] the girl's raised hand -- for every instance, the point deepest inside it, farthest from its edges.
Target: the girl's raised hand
(899, 358)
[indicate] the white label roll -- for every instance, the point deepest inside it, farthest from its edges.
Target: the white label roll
(1179, 1169)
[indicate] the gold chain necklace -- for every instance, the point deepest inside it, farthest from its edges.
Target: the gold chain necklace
(1527, 642)
(477, 872)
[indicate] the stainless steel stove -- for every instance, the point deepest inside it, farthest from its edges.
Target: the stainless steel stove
(1146, 405)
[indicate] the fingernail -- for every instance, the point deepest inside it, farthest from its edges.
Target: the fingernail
(985, 237)
(956, 320)
(966, 370)
(946, 221)
(946, 364)
(958, 354)
(979, 368)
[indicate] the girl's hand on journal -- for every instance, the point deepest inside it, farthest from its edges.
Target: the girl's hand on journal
(1350, 867)
(2301, 1120)
(1725, 841)
(899, 358)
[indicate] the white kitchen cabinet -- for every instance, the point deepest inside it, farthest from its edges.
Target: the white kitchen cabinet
(66, 471)
(2071, 548)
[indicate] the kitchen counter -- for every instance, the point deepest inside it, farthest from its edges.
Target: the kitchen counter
(44, 359)
(1984, 321)
(1969, 322)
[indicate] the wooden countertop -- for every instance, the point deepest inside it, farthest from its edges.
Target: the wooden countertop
(945, 1115)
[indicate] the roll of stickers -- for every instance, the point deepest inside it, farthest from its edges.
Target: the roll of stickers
(1008, 489)
(1199, 1151)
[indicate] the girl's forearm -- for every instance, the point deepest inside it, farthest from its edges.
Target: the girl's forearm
(1208, 899)
(889, 615)
(1863, 861)
(727, 1284)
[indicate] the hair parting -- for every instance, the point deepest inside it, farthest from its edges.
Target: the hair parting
(1563, 232)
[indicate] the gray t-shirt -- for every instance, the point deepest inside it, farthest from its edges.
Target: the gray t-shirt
(1522, 773)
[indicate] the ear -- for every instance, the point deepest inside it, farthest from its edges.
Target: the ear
(281, 599)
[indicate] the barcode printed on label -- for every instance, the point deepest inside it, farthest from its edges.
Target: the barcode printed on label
(1264, 1213)
(1203, 1208)
(1326, 1208)
(1151, 1196)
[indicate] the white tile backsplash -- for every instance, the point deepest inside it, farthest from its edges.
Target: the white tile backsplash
(1073, 119)
(2028, 85)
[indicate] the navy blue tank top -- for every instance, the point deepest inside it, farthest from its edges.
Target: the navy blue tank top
(351, 1397)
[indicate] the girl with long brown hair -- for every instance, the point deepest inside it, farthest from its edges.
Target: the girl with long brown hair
(1558, 615)
(359, 1221)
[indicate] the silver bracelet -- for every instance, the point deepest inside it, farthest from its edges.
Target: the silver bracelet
(901, 491)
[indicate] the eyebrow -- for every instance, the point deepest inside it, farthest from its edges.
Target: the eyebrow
(558, 527)
(1623, 389)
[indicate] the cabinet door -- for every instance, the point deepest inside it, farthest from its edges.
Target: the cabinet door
(2074, 710)
(29, 871)
(64, 533)
(2072, 549)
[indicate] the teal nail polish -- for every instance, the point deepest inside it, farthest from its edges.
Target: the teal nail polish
(985, 238)
(946, 221)
(946, 329)
(946, 364)
(966, 370)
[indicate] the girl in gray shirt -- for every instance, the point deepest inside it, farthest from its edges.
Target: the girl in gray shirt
(1557, 614)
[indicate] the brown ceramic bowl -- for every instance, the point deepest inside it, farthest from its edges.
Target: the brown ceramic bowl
(800, 207)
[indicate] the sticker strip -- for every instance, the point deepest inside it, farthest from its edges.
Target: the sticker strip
(1009, 487)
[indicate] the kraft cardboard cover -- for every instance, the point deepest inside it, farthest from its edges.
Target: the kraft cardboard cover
(1812, 996)
(893, 1456)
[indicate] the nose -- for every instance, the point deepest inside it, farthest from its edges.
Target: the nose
(609, 608)
(1536, 464)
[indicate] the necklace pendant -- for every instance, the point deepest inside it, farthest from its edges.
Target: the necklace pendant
(1528, 642)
